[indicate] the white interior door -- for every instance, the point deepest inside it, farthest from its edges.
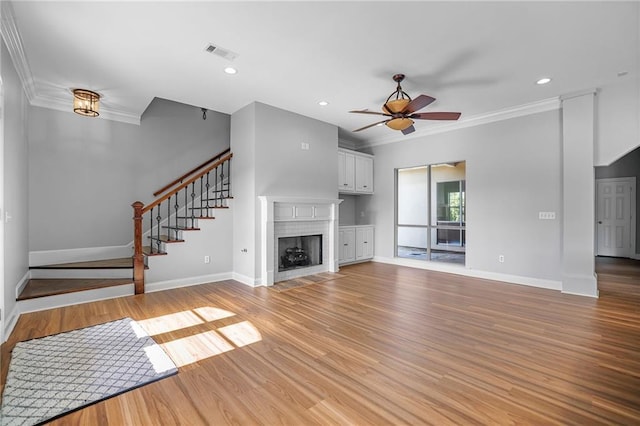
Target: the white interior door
(613, 216)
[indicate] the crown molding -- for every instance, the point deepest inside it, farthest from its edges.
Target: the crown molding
(64, 105)
(476, 120)
(13, 41)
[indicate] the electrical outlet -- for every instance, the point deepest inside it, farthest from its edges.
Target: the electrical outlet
(304, 146)
(501, 258)
(207, 259)
(546, 215)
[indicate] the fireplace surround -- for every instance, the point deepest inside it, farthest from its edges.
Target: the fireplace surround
(289, 217)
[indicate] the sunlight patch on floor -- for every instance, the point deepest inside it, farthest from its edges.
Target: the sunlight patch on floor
(170, 322)
(196, 348)
(241, 333)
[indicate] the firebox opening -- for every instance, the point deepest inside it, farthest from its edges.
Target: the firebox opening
(299, 252)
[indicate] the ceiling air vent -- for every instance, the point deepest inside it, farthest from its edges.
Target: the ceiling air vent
(219, 51)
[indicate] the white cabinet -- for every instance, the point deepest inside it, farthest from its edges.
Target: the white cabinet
(346, 172)
(355, 172)
(356, 243)
(364, 174)
(347, 241)
(364, 242)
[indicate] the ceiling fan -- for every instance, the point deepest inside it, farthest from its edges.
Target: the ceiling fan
(401, 110)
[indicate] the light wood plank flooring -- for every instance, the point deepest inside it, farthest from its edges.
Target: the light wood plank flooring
(381, 345)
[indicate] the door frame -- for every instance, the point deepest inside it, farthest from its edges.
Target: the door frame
(632, 207)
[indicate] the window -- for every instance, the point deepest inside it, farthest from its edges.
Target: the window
(430, 212)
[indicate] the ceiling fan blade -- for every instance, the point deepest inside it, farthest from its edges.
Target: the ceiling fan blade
(436, 116)
(418, 103)
(366, 111)
(408, 130)
(371, 125)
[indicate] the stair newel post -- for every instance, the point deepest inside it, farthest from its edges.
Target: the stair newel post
(138, 257)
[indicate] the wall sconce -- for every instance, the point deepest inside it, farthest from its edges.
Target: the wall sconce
(86, 102)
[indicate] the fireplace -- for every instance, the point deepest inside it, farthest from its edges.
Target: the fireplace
(308, 227)
(300, 251)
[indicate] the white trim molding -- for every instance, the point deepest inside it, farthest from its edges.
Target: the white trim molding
(13, 40)
(186, 282)
(11, 36)
(48, 257)
(461, 270)
(475, 120)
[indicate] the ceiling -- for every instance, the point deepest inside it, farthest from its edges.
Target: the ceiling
(474, 57)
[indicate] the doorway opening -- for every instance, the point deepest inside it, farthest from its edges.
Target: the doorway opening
(430, 212)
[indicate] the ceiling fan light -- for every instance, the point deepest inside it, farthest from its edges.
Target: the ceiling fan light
(396, 106)
(86, 102)
(399, 123)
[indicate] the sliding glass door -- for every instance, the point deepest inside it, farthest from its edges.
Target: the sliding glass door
(430, 212)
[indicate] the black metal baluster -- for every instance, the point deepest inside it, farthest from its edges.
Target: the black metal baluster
(169, 219)
(208, 188)
(193, 198)
(229, 178)
(186, 203)
(176, 207)
(151, 228)
(201, 200)
(217, 194)
(158, 219)
(222, 181)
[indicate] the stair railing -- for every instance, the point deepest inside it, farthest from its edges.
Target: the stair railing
(191, 172)
(202, 192)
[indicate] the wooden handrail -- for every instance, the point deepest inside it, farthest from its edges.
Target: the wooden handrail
(187, 183)
(189, 173)
(139, 209)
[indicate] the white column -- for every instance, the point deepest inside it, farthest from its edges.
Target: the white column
(578, 261)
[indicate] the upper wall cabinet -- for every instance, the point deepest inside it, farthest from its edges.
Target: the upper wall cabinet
(355, 172)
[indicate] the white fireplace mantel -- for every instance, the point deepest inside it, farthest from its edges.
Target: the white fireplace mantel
(295, 209)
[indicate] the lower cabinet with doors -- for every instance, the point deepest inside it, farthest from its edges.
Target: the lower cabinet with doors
(356, 243)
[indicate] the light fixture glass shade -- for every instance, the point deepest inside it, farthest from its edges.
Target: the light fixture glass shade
(399, 123)
(396, 106)
(86, 102)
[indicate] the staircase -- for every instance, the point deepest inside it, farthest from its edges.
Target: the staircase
(187, 200)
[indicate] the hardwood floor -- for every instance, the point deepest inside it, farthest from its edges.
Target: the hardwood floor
(380, 345)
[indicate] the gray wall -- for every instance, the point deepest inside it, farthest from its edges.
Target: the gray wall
(15, 178)
(513, 172)
(85, 173)
(627, 166)
(272, 138)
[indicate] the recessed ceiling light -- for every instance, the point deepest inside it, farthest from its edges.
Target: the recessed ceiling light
(323, 103)
(544, 80)
(230, 70)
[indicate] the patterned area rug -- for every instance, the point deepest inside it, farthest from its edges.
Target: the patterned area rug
(55, 375)
(304, 281)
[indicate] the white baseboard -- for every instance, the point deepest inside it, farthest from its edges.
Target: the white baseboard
(10, 322)
(81, 273)
(251, 282)
(461, 270)
(48, 257)
(22, 283)
(186, 282)
(68, 299)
